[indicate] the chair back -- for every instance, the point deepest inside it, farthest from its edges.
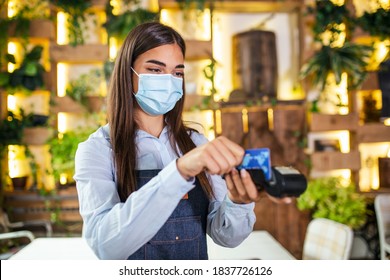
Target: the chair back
(382, 212)
(327, 240)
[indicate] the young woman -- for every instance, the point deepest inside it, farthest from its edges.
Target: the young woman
(149, 187)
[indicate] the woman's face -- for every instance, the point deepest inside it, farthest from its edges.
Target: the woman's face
(166, 59)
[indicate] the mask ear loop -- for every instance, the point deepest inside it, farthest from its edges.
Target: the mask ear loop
(134, 71)
(137, 76)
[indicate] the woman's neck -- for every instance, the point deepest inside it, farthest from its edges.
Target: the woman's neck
(150, 124)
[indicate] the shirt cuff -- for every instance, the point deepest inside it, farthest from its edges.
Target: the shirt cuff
(170, 176)
(231, 204)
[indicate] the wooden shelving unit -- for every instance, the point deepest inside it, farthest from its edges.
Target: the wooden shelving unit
(25, 206)
(29, 205)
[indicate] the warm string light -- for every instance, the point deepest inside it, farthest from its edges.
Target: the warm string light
(218, 122)
(12, 49)
(11, 8)
(270, 114)
(245, 122)
(62, 79)
(62, 31)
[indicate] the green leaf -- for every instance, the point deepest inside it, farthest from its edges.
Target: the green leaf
(10, 58)
(31, 69)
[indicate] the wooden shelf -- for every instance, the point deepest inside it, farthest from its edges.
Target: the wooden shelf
(326, 161)
(66, 104)
(326, 122)
(79, 54)
(244, 6)
(26, 205)
(371, 82)
(39, 28)
(36, 135)
(373, 132)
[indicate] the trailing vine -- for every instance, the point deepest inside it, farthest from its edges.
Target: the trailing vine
(76, 11)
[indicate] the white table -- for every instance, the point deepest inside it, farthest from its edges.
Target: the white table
(56, 248)
(259, 245)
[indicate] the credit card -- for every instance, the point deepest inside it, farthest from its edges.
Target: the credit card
(257, 159)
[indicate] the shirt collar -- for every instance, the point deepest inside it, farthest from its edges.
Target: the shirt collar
(141, 134)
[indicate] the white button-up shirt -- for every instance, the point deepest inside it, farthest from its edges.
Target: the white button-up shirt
(116, 229)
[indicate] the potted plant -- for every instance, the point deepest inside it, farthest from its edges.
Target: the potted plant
(36, 130)
(29, 76)
(11, 133)
(329, 198)
(63, 150)
(87, 90)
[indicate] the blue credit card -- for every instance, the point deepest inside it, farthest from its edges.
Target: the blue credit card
(257, 159)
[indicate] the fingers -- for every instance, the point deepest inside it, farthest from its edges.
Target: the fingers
(235, 150)
(241, 188)
(225, 154)
(251, 189)
(232, 191)
(219, 157)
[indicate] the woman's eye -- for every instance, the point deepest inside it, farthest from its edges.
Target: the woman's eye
(178, 74)
(154, 70)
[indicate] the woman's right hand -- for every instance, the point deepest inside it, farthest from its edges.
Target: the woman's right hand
(217, 157)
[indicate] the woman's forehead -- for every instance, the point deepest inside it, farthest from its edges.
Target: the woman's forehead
(170, 55)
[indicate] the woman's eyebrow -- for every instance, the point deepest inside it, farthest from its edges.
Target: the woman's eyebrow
(163, 64)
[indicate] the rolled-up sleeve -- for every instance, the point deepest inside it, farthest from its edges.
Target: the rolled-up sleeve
(115, 229)
(228, 223)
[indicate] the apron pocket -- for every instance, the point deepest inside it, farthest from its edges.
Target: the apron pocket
(178, 239)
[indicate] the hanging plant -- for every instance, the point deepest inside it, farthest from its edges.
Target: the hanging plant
(119, 26)
(187, 4)
(76, 11)
(376, 23)
(350, 58)
(328, 17)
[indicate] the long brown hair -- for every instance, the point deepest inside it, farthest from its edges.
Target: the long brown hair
(121, 106)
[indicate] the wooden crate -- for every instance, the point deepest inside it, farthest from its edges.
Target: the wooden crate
(328, 122)
(373, 132)
(326, 161)
(39, 28)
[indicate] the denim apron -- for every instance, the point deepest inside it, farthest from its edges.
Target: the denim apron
(183, 236)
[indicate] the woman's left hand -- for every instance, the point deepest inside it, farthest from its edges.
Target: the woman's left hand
(241, 188)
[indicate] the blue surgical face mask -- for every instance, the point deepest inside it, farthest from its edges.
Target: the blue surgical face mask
(158, 93)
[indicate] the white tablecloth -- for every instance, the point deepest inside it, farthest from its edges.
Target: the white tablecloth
(56, 248)
(259, 245)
